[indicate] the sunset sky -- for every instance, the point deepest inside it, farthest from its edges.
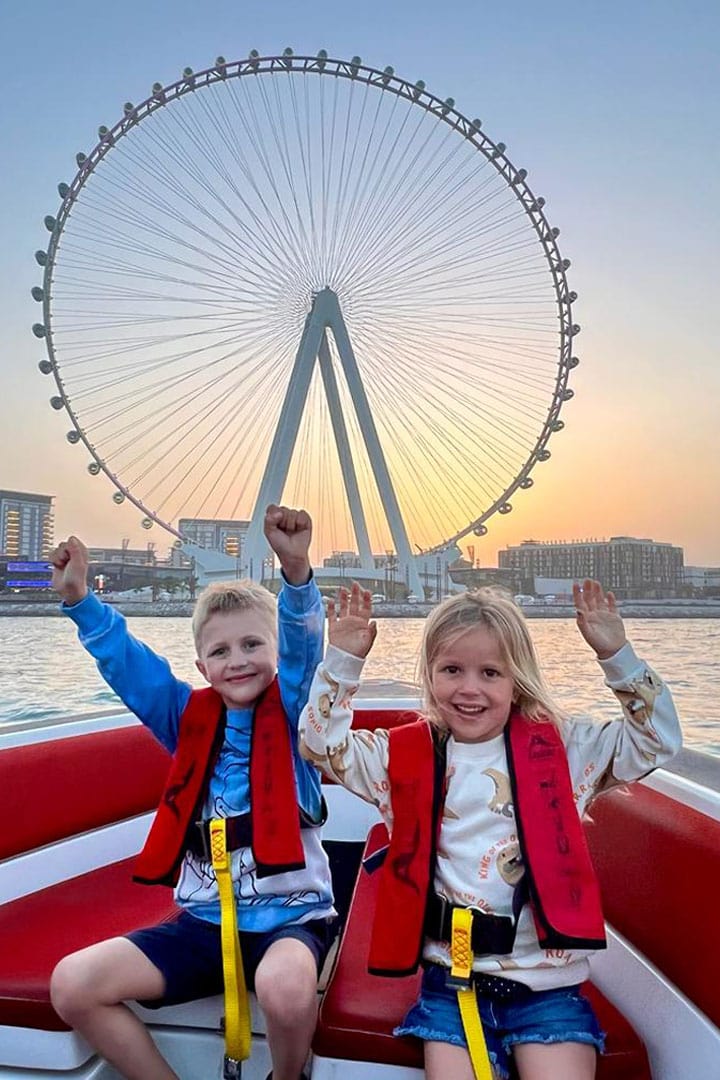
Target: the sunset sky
(612, 107)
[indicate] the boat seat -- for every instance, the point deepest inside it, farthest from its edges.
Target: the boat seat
(57, 788)
(359, 1010)
(58, 797)
(39, 929)
(668, 852)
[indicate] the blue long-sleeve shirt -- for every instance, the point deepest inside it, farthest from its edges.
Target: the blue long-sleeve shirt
(145, 683)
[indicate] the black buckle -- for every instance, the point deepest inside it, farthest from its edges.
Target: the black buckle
(457, 982)
(232, 1069)
(306, 822)
(201, 836)
(442, 913)
(491, 934)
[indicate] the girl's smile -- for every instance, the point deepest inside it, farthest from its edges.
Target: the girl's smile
(472, 686)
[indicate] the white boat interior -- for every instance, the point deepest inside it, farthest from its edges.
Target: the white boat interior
(78, 797)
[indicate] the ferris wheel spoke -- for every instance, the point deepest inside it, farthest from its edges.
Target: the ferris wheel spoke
(418, 191)
(288, 240)
(266, 226)
(246, 229)
(196, 448)
(354, 120)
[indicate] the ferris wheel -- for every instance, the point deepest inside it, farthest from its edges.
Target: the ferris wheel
(299, 278)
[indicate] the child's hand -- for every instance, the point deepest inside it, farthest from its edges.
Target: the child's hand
(598, 619)
(288, 533)
(70, 568)
(350, 627)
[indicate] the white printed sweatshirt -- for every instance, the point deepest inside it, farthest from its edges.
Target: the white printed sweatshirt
(479, 863)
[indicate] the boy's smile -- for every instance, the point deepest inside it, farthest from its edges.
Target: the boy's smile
(238, 656)
(472, 686)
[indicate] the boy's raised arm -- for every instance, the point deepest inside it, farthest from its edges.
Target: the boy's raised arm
(141, 679)
(70, 569)
(289, 533)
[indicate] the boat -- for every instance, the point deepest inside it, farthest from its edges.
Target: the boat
(77, 798)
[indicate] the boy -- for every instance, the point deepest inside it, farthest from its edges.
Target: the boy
(284, 921)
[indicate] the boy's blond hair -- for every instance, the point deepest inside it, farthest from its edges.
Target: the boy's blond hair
(225, 596)
(496, 611)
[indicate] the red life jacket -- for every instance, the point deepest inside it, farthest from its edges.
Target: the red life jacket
(564, 891)
(276, 843)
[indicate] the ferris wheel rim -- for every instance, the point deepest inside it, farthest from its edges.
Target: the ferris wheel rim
(384, 80)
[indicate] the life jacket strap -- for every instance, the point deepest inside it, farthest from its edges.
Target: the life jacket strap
(491, 935)
(237, 1005)
(238, 831)
(461, 955)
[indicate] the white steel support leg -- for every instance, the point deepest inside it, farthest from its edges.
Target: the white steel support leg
(346, 462)
(326, 314)
(283, 444)
(369, 432)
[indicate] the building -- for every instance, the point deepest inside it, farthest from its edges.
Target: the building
(462, 572)
(124, 556)
(343, 560)
(26, 525)
(124, 569)
(702, 581)
(214, 534)
(31, 578)
(630, 567)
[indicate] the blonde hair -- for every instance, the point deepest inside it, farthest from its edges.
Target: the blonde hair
(497, 612)
(226, 596)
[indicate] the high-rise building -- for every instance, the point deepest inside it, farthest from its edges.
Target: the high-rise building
(630, 567)
(216, 535)
(26, 525)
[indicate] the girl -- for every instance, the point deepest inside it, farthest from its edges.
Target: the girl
(482, 802)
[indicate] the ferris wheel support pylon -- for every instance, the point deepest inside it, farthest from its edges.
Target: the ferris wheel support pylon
(326, 314)
(346, 462)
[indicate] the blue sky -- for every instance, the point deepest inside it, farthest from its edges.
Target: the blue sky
(612, 108)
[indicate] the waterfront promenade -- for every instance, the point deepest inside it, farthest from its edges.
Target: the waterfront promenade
(630, 609)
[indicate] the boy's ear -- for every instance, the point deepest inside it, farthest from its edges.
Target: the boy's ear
(202, 669)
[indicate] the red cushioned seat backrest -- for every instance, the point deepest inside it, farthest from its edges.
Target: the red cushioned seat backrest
(359, 1010)
(55, 789)
(369, 719)
(659, 868)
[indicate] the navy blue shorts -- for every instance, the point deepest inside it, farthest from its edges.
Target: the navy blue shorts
(543, 1016)
(188, 953)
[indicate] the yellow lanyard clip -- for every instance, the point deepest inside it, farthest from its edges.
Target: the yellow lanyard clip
(237, 1005)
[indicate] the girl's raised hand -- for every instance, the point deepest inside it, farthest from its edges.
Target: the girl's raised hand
(598, 619)
(350, 627)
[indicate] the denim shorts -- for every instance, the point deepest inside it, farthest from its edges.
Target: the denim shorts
(188, 953)
(543, 1016)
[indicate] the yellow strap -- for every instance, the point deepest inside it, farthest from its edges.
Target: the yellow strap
(461, 955)
(237, 1005)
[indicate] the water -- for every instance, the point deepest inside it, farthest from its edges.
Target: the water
(45, 673)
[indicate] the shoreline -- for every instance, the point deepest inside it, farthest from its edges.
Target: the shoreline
(629, 609)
